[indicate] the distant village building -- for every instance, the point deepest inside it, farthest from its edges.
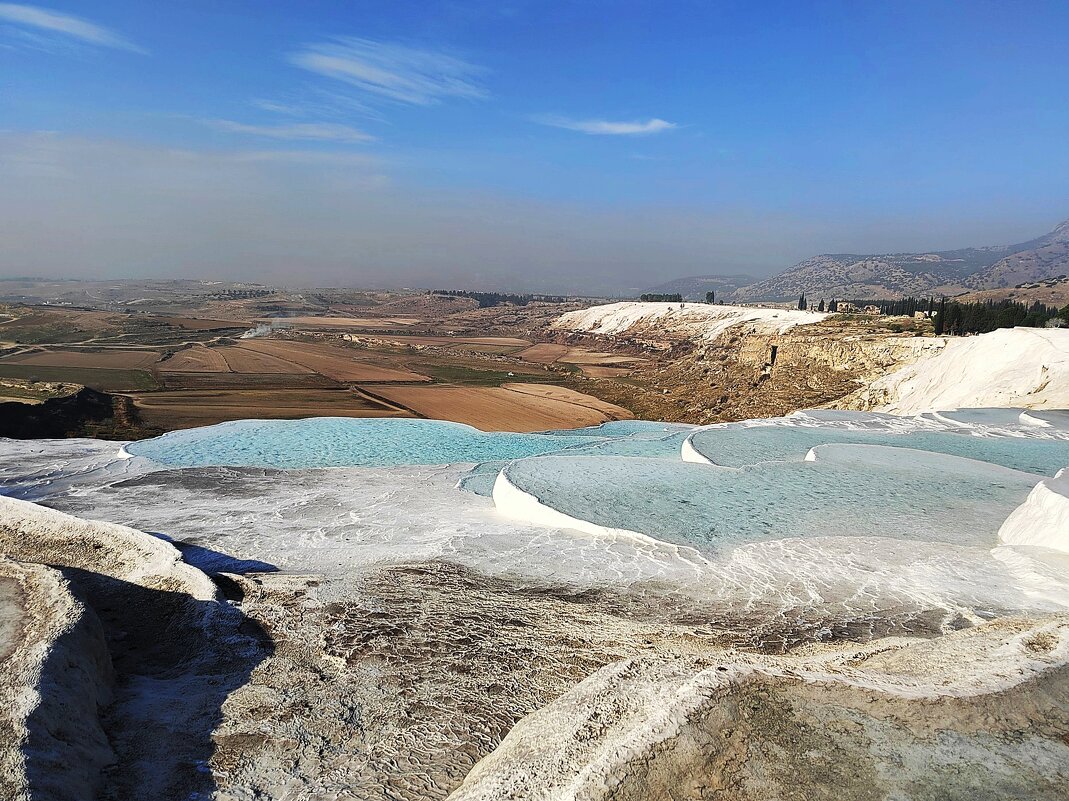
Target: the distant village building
(845, 307)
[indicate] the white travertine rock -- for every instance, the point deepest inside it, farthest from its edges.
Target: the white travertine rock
(1026, 368)
(1043, 519)
(695, 321)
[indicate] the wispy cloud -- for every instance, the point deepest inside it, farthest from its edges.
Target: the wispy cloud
(53, 22)
(607, 127)
(310, 131)
(316, 101)
(275, 107)
(398, 72)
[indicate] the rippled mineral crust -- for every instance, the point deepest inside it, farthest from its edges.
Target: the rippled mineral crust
(979, 714)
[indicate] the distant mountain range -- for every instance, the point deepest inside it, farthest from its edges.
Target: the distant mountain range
(849, 275)
(694, 287)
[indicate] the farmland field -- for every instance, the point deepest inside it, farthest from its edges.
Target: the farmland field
(107, 359)
(109, 380)
(477, 344)
(510, 407)
(240, 359)
(544, 353)
(341, 322)
(333, 361)
(247, 381)
(199, 324)
(188, 408)
(57, 325)
(197, 359)
(181, 359)
(549, 353)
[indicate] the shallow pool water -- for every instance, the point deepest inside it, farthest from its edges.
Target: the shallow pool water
(848, 491)
(864, 536)
(740, 446)
(355, 442)
(343, 442)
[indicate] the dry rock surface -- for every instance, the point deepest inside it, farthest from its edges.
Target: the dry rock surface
(137, 677)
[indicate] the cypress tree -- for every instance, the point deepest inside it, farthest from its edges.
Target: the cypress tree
(941, 318)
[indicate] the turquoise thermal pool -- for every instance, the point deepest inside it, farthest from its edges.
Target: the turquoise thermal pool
(347, 442)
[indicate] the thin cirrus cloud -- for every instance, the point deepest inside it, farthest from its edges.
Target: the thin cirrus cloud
(607, 127)
(312, 131)
(398, 72)
(34, 19)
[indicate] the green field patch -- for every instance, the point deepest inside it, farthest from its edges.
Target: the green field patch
(473, 376)
(104, 380)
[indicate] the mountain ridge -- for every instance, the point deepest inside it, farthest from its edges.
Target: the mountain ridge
(890, 275)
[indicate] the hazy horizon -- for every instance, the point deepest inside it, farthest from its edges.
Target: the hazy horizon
(576, 148)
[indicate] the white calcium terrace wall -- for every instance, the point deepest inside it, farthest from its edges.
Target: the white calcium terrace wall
(688, 453)
(1012, 367)
(1043, 519)
(697, 321)
(513, 502)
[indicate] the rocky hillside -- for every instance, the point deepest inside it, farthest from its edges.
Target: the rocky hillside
(1046, 258)
(82, 413)
(848, 275)
(712, 363)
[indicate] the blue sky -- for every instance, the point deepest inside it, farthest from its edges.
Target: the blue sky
(579, 146)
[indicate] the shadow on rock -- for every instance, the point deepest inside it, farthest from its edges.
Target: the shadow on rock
(133, 716)
(212, 562)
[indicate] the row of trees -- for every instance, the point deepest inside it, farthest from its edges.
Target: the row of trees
(903, 306)
(652, 297)
(487, 299)
(956, 318)
(832, 305)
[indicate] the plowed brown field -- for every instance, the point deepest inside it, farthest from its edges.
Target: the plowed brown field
(199, 407)
(337, 362)
(511, 407)
(197, 359)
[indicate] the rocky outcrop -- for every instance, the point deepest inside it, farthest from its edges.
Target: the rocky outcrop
(96, 601)
(85, 412)
(976, 714)
(1010, 367)
(655, 323)
(725, 363)
(55, 678)
(745, 373)
(1043, 519)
